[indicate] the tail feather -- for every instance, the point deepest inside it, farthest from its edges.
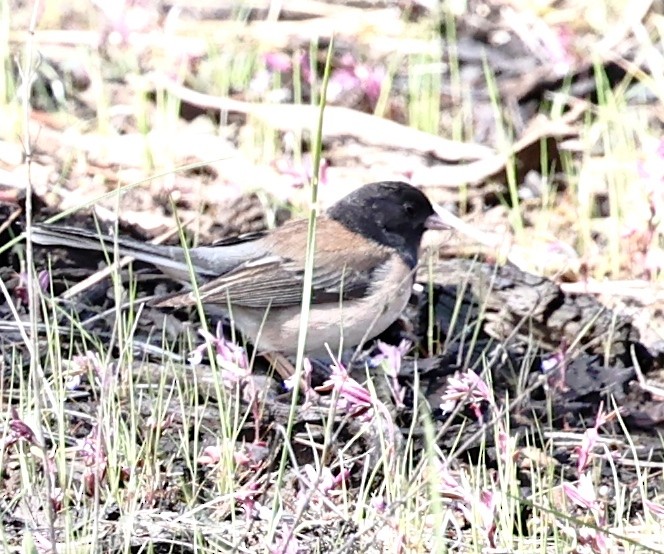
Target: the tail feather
(207, 262)
(169, 259)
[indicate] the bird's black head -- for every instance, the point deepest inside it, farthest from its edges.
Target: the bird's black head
(392, 213)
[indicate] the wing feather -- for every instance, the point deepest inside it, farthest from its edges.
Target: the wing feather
(344, 267)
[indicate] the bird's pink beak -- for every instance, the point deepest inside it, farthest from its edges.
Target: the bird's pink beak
(435, 222)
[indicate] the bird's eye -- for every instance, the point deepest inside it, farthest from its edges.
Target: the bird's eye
(409, 210)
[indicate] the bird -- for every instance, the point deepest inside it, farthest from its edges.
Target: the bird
(366, 253)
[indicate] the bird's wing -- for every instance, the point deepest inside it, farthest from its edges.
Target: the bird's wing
(277, 282)
(342, 270)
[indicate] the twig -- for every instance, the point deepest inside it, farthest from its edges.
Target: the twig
(339, 122)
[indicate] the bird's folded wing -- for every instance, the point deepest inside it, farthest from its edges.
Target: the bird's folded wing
(276, 282)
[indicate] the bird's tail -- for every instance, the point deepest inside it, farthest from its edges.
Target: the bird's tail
(169, 259)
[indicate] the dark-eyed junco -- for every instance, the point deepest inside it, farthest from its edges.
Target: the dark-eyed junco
(366, 251)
